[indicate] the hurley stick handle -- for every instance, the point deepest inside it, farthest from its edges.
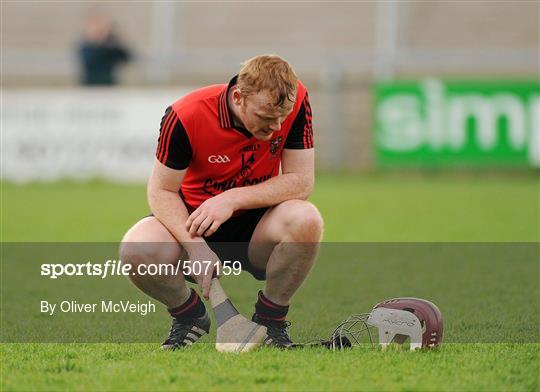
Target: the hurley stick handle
(224, 310)
(217, 295)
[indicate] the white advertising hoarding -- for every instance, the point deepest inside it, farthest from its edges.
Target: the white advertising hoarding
(48, 134)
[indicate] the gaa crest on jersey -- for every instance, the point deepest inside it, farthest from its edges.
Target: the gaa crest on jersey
(219, 159)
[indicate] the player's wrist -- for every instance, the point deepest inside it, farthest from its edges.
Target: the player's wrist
(233, 199)
(193, 245)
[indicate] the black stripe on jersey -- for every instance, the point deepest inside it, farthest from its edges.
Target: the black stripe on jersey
(220, 110)
(174, 149)
(301, 133)
(224, 111)
(308, 127)
(162, 125)
(165, 135)
(170, 129)
(224, 118)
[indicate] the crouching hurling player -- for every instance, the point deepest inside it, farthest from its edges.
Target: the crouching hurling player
(234, 163)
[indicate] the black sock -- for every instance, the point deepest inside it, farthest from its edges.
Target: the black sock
(266, 309)
(193, 307)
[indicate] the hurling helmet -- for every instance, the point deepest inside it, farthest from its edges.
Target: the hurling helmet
(416, 318)
(396, 320)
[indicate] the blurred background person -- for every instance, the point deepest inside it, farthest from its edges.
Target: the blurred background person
(101, 52)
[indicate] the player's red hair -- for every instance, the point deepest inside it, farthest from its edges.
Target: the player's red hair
(269, 73)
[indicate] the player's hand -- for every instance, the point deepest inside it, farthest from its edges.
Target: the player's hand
(206, 219)
(203, 253)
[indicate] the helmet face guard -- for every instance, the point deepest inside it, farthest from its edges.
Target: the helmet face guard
(396, 320)
(355, 330)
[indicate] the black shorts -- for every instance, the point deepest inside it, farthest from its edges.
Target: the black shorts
(231, 241)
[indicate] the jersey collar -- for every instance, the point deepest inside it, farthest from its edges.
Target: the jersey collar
(226, 119)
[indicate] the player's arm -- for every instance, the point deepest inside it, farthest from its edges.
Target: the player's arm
(170, 210)
(172, 159)
(295, 182)
(173, 156)
(166, 204)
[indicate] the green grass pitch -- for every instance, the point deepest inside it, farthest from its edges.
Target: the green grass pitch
(357, 208)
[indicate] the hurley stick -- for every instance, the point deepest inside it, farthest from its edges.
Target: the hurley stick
(235, 333)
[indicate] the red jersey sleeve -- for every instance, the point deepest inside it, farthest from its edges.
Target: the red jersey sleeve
(174, 149)
(301, 133)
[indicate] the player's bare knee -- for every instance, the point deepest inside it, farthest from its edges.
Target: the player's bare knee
(134, 254)
(148, 242)
(137, 253)
(303, 221)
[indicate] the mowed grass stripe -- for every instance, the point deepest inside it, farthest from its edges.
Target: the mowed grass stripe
(355, 208)
(87, 367)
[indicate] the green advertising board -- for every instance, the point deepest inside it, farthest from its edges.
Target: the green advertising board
(434, 123)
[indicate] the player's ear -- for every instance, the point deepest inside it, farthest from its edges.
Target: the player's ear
(237, 96)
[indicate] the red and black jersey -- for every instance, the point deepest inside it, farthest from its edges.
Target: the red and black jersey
(197, 133)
